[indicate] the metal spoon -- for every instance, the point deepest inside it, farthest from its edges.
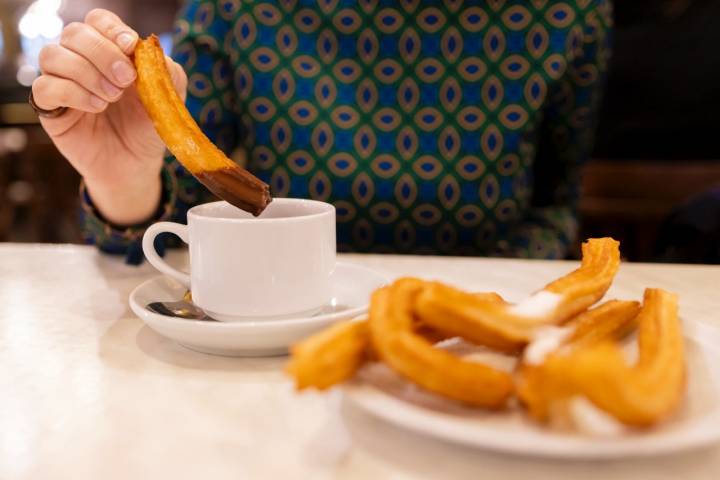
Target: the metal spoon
(181, 309)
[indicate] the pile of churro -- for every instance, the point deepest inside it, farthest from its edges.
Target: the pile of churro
(568, 349)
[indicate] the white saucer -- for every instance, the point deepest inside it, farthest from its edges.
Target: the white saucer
(384, 394)
(352, 286)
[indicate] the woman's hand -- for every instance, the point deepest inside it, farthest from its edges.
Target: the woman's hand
(105, 133)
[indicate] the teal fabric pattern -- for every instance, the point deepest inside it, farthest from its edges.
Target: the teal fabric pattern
(434, 127)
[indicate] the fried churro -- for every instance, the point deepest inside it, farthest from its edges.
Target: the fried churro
(637, 395)
(510, 327)
(335, 354)
(570, 366)
(185, 140)
(392, 318)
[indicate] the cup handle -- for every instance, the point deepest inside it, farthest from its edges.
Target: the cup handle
(148, 245)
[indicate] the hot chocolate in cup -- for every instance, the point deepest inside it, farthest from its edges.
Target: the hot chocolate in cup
(277, 265)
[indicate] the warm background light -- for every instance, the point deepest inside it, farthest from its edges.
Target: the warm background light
(40, 25)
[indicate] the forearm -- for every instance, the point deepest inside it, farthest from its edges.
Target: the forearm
(124, 239)
(126, 204)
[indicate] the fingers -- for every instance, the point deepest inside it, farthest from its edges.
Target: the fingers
(70, 80)
(60, 62)
(111, 27)
(105, 55)
(50, 92)
(90, 67)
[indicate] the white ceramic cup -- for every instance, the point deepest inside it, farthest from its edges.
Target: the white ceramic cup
(277, 265)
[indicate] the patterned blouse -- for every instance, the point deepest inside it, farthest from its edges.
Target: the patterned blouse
(438, 127)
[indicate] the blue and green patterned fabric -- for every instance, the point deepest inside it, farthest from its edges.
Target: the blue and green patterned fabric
(438, 127)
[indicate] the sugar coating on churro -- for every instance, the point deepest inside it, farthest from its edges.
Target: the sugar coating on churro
(545, 341)
(539, 304)
(589, 419)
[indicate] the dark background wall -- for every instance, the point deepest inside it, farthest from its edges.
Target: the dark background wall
(662, 94)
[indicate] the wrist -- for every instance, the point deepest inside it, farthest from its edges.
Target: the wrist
(126, 203)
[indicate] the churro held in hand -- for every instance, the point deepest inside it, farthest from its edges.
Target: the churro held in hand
(185, 140)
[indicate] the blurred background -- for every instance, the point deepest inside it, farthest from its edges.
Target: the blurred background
(653, 182)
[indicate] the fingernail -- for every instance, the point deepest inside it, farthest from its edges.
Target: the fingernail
(111, 90)
(124, 73)
(97, 102)
(125, 40)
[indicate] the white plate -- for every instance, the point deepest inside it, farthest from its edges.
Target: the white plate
(383, 393)
(352, 286)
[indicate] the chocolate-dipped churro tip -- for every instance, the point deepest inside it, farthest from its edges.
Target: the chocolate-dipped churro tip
(185, 140)
(238, 187)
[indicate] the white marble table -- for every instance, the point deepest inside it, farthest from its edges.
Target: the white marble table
(88, 392)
